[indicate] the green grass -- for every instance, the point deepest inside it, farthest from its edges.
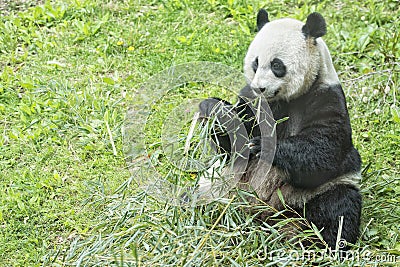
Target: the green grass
(69, 70)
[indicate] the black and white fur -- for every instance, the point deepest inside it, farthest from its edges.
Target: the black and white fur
(315, 167)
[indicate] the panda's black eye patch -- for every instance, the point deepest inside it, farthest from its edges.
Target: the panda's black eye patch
(278, 68)
(254, 65)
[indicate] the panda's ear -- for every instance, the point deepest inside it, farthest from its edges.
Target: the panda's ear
(262, 18)
(315, 26)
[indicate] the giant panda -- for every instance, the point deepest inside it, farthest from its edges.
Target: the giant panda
(315, 168)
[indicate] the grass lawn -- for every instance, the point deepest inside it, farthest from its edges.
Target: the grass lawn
(68, 72)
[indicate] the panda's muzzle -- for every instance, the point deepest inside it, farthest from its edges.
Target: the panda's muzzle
(258, 90)
(274, 94)
(251, 92)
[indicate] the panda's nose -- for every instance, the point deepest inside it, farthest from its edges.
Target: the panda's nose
(262, 89)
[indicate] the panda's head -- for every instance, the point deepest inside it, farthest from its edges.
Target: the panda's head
(287, 56)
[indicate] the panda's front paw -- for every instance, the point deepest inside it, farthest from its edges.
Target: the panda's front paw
(255, 147)
(211, 106)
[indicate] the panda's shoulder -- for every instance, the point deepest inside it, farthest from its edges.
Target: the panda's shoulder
(323, 91)
(321, 88)
(323, 96)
